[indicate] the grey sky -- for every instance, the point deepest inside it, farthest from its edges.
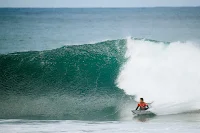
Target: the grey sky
(97, 3)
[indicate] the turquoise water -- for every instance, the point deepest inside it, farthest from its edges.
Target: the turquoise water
(40, 29)
(82, 70)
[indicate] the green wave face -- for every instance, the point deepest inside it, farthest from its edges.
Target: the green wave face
(71, 82)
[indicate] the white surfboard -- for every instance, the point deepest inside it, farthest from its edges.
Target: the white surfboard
(142, 112)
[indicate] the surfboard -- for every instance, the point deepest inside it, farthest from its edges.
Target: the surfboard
(141, 112)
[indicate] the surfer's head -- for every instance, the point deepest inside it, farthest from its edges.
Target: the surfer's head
(141, 100)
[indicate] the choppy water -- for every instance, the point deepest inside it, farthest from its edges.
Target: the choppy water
(156, 125)
(81, 70)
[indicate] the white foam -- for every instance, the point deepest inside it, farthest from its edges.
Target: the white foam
(169, 75)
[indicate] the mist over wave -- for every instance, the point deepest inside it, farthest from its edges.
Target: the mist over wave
(166, 73)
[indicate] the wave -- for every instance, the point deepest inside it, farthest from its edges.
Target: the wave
(98, 81)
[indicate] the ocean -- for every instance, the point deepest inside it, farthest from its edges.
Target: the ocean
(84, 69)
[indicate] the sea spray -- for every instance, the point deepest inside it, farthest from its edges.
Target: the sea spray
(166, 73)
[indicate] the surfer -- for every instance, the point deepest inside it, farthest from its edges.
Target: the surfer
(142, 105)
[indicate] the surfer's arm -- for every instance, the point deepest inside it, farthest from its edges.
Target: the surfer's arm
(147, 107)
(137, 107)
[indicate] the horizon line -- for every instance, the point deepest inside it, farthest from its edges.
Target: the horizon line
(108, 7)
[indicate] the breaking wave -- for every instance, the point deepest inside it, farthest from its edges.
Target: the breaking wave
(98, 81)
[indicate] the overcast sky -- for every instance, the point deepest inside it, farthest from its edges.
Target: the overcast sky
(97, 3)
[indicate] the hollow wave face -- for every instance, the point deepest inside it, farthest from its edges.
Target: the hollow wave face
(71, 82)
(166, 73)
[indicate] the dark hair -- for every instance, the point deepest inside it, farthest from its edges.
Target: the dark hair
(142, 99)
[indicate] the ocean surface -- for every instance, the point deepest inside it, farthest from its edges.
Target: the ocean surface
(84, 69)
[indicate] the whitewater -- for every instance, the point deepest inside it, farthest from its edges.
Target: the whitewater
(164, 73)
